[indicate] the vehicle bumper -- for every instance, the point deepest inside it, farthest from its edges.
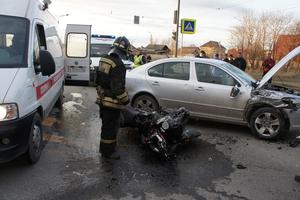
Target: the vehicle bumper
(17, 132)
(294, 118)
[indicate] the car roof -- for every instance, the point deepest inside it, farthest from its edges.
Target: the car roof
(180, 59)
(189, 59)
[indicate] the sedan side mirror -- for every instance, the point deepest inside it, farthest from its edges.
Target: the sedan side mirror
(47, 63)
(235, 91)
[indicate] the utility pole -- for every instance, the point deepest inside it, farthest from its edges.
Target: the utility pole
(177, 28)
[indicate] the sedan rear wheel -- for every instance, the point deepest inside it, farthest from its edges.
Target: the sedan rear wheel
(267, 123)
(145, 102)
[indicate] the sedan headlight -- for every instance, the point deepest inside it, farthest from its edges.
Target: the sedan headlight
(8, 112)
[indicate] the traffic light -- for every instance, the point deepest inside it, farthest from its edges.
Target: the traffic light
(174, 35)
(136, 19)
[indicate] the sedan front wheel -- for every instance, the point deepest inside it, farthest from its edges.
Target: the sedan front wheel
(267, 123)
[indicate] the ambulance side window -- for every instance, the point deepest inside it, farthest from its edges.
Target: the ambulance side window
(36, 51)
(39, 44)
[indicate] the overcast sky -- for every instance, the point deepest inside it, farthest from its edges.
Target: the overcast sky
(115, 17)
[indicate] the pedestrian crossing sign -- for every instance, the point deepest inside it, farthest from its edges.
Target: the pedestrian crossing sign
(188, 26)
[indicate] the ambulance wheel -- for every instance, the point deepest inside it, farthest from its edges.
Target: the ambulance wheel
(35, 142)
(60, 101)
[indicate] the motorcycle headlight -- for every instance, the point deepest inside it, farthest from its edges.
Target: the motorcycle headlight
(8, 112)
(165, 125)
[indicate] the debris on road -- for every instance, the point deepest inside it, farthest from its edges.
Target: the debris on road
(294, 143)
(240, 166)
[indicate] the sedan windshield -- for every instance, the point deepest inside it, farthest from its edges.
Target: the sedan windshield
(241, 74)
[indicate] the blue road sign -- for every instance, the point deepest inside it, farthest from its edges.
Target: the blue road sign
(188, 26)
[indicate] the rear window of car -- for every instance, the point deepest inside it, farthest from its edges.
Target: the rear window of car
(172, 70)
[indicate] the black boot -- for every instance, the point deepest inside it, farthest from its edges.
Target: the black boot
(297, 178)
(113, 156)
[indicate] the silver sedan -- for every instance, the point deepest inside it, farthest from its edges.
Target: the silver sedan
(216, 90)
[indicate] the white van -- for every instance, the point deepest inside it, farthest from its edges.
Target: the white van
(100, 44)
(32, 73)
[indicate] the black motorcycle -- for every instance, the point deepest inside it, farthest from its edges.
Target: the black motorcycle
(161, 131)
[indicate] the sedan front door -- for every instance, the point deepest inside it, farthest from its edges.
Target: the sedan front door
(211, 94)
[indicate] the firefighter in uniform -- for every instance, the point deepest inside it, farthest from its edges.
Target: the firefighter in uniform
(112, 95)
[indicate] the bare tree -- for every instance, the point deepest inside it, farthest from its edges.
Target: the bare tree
(256, 34)
(278, 25)
(293, 42)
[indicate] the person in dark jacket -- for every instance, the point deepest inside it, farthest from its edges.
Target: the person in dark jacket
(231, 59)
(268, 63)
(112, 95)
(240, 62)
(226, 58)
(203, 54)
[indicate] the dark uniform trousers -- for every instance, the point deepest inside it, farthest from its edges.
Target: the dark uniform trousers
(110, 126)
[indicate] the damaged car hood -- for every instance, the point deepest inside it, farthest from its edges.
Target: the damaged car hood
(278, 66)
(277, 99)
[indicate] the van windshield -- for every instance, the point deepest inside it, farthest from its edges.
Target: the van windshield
(98, 49)
(13, 41)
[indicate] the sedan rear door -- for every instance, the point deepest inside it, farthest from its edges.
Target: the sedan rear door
(170, 83)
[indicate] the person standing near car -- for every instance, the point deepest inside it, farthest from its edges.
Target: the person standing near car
(112, 95)
(203, 54)
(240, 62)
(268, 63)
(226, 58)
(139, 60)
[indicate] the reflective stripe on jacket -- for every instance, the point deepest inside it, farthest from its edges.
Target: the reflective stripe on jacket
(137, 60)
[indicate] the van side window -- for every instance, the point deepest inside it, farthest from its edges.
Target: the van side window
(53, 46)
(36, 50)
(39, 43)
(41, 36)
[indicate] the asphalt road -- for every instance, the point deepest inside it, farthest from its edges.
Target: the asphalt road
(226, 162)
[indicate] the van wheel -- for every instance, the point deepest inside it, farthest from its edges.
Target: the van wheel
(267, 123)
(33, 153)
(60, 101)
(145, 102)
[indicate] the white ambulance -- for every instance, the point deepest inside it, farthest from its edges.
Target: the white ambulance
(32, 72)
(100, 44)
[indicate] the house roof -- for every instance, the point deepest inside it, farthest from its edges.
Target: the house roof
(188, 50)
(213, 44)
(157, 47)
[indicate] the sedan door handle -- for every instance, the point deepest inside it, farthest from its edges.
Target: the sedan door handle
(155, 83)
(200, 89)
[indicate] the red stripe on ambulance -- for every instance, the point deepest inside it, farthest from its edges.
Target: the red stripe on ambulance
(42, 89)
